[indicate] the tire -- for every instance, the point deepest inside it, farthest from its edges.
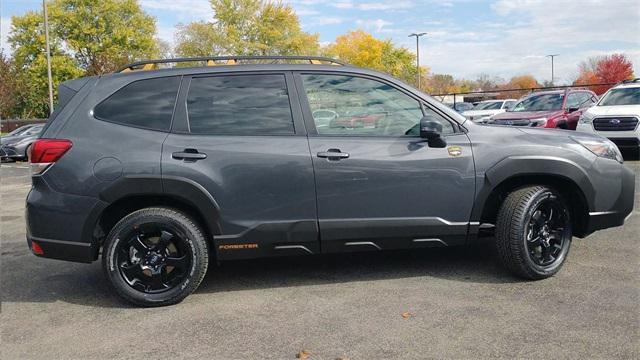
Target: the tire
(527, 244)
(155, 257)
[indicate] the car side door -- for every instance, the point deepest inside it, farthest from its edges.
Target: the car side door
(379, 185)
(241, 139)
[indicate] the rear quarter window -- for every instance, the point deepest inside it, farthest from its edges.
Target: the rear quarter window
(144, 103)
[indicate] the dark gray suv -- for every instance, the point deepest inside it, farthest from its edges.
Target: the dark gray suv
(163, 171)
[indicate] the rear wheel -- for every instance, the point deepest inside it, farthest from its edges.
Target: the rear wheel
(155, 257)
(533, 232)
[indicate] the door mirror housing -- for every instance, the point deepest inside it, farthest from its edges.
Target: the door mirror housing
(572, 109)
(432, 131)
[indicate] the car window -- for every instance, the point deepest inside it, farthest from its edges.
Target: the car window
(362, 107)
(143, 103)
(578, 100)
(509, 104)
(489, 105)
(240, 105)
(34, 130)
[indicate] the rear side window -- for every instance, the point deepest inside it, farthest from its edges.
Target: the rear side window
(240, 105)
(145, 103)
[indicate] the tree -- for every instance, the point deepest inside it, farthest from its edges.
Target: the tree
(362, 49)
(246, 27)
(86, 38)
(104, 35)
(441, 84)
(7, 88)
(604, 69)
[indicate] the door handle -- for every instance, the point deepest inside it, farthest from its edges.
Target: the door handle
(189, 155)
(333, 154)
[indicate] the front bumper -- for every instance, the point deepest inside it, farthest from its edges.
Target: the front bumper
(622, 207)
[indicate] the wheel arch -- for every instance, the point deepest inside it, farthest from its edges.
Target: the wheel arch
(133, 193)
(561, 174)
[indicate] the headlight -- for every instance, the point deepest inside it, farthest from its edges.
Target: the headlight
(603, 148)
(538, 122)
(586, 119)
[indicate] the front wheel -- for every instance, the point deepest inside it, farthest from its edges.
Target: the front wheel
(155, 256)
(533, 232)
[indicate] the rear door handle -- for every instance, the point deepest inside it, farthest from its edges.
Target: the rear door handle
(333, 154)
(189, 154)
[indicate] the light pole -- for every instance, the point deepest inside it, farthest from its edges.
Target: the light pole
(552, 74)
(46, 39)
(418, 35)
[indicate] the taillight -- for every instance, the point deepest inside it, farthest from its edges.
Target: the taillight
(45, 152)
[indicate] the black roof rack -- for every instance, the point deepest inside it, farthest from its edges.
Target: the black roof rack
(629, 81)
(229, 60)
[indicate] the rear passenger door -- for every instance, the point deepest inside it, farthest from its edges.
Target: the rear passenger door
(242, 138)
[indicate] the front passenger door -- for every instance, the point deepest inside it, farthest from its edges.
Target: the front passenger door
(379, 185)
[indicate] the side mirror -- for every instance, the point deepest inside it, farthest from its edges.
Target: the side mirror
(432, 131)
(572, 109)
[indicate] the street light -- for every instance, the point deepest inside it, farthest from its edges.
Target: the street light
(46, 37)
(418, 35)
(552, 56)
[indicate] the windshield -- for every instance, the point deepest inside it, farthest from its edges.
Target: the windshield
(489, 105)
(622, 96)
(544, 102)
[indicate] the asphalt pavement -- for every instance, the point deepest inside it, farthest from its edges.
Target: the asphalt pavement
(435, 303)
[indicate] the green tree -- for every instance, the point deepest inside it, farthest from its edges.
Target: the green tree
(87, 37)
(246, 27)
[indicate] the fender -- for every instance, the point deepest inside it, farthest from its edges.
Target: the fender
(516, 166)
(179, 188)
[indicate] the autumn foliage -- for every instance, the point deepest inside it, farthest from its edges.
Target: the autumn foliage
(606, 69)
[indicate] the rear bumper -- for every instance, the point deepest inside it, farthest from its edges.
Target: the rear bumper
(623, 206)
(62, 224)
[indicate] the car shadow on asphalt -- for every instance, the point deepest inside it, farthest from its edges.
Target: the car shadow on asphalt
(26, 278)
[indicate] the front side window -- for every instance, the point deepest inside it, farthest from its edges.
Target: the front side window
(349, 105)
(144, 103)
(240, 105)
(621, 96)
(578, 100)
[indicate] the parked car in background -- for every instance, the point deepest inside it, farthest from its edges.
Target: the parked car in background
(485, 109)
(616, 116)
(17, 147)
(548, 109)
(460, 106)
(163, 172)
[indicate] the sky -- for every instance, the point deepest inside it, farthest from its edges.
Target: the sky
(465, 38)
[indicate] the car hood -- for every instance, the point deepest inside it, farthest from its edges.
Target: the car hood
(614, 110)
(482, 112)
(526, 114)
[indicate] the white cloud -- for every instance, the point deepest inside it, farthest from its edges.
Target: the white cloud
(5, 26)
(326, 20)
(377, 24)
(524, 31)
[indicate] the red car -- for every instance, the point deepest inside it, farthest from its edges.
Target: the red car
(549, 109)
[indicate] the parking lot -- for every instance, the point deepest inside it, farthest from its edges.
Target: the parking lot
(457, 303)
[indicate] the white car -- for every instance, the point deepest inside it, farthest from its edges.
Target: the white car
(616, 116)
(485, 109)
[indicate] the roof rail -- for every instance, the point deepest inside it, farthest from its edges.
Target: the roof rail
(628, 81)
(228, 60)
